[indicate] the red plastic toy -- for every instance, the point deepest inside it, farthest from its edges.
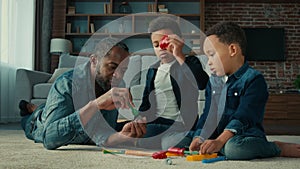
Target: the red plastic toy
(163, 42)
(159, 155)
(176, 150)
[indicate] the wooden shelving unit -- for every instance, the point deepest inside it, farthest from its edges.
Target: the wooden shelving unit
(89, 12)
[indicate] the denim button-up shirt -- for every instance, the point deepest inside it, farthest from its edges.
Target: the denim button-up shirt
(244, 109)
(58, 123)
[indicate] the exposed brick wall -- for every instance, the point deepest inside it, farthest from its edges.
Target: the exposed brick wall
(279, 75)
(58, 26)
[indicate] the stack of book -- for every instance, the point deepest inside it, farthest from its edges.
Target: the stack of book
(162, 9)
(71, 10)
(195, 44)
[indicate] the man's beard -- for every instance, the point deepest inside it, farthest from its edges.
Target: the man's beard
(104, 84)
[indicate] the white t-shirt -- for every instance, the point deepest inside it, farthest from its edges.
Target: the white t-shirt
(166, 102)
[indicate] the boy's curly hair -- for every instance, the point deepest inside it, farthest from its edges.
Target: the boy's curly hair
(229, 32)
(164, 22)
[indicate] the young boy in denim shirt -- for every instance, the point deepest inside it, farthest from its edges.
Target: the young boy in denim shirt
(238, 131)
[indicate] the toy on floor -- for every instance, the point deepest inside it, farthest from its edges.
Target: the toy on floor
(169, 161)
(201, 157)
(174, 151)
(160, 155)
(171, 152)
(138, 153)
(212, 160)
(113, 151)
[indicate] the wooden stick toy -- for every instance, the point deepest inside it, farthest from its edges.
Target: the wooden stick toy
(138, 153)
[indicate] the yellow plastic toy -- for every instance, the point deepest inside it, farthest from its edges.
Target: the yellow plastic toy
(201, 157)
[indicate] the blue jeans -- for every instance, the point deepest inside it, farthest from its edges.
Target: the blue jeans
(247, 148)
(236, 148)
(26, 126)
(162, 136)
(55, 137)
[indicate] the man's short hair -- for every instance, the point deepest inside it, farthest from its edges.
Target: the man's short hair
(104, 47)
(164, 22)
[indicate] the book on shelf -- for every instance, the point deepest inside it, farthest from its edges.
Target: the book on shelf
(164, 10)
(69, 27)
(196, 49)
(104, 9)
(151, 8)
(195, 42)
(71, 10)
(161, 6)
(92, 28)
(107, 8)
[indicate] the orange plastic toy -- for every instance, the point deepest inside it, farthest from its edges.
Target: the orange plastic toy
(201, 157)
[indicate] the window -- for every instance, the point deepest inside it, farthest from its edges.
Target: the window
(17, 32)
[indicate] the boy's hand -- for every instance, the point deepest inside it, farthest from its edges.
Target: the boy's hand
(175, 47)
(210, 146)
(213, 146)
(195, 144)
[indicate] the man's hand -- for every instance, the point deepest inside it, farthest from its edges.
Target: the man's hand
(134, 129)
(131, 130)
(115, 98)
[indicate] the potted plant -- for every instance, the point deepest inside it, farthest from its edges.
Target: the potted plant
(297, 83)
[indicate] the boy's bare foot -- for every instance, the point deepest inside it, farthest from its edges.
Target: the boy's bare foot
(288, 149)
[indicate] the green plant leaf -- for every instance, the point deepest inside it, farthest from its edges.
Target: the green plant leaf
(297, 82)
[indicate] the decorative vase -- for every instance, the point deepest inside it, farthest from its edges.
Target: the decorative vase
(125, 7)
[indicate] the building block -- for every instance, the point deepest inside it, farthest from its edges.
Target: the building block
(201, 157)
